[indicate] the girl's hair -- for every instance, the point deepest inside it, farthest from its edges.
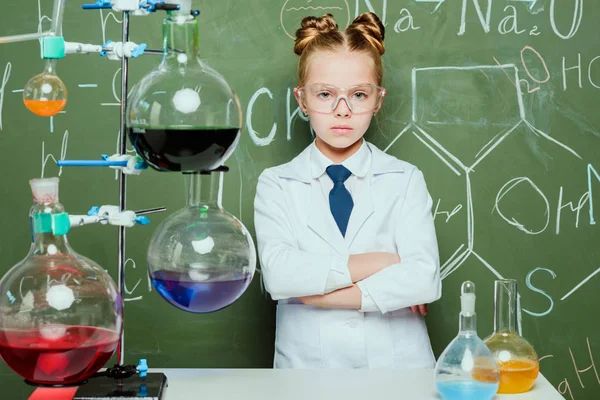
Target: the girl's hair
(364, 34)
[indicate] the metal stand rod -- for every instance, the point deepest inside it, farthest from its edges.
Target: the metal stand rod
(123, 181)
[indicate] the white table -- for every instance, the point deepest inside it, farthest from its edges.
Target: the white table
(267, 384)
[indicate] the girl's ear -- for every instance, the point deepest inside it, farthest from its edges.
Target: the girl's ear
(376, 110)
(297, 94)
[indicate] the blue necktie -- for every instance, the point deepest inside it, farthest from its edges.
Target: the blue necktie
(340, 200)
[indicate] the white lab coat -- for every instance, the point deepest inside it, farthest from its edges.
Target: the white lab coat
(300, 244)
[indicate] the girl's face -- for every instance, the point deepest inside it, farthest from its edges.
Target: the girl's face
(341, 128)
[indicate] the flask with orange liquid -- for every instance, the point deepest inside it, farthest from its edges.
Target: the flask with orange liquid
(518, 361)
(45, 94)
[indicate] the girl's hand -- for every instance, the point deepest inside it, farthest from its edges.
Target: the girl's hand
(421, 308)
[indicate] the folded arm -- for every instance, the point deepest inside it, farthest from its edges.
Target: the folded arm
(412, 282)
(289, 272)
(416, 279)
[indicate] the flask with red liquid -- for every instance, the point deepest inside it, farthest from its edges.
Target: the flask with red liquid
(60, 312)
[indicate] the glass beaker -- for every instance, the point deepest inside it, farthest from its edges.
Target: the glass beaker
(201, 258)
(60, 312)
(466, 369)
(183, 116)
(518, 361)
(45, 94)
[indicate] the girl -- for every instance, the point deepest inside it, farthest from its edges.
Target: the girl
(345, 233)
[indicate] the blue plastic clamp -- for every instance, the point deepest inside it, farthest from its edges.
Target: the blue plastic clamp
(150, 5)
(103, 54)
(141, 164)
(138, 51)
(99, 4)
(93, 211)
(142, 220)
(142, 367)
(143, 391)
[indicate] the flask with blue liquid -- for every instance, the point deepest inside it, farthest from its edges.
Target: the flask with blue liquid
(201, 258)
(467, 369)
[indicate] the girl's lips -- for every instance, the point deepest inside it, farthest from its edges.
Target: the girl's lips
(342, 130)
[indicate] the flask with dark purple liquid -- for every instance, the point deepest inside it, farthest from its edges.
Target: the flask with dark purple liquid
(183, 116)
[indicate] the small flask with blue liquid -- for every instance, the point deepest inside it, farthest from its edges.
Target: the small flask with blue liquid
(467, 369)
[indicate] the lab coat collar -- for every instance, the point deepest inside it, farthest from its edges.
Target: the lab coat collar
(300, 169)
(320, 219)
(358, 163)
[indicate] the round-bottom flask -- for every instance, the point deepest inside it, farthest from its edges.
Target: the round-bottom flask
(60, 312)
(516, 357)
(183, 116)
(466, 370)
(201, 258)
(45, 94)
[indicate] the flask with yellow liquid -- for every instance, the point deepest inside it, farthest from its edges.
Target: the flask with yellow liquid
(516, 358)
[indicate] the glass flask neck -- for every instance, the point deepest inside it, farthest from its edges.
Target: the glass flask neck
(47, 244)
(467, 324)
(505, 305)
(204, 189)
(50, 66)
(180, 39)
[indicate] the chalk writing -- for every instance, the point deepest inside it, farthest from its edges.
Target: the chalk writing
(3, 84)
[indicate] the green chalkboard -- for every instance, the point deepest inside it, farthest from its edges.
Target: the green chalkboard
(495, 101)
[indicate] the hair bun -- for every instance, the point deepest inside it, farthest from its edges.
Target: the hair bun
(311, 28)
(372, 29)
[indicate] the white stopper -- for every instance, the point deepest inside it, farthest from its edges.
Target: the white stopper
(45, 191)
(467, 298)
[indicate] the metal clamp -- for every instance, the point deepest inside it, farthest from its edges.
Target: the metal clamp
(110, 215)
(117, 50)
(130, 165)
(136, 7)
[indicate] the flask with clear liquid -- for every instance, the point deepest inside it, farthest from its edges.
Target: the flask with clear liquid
(60, 312)
(516, 357)
(467, 370)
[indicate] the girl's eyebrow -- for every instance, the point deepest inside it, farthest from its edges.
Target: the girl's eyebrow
(329, 84)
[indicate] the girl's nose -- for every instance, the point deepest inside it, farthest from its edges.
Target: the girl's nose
(342, 108)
